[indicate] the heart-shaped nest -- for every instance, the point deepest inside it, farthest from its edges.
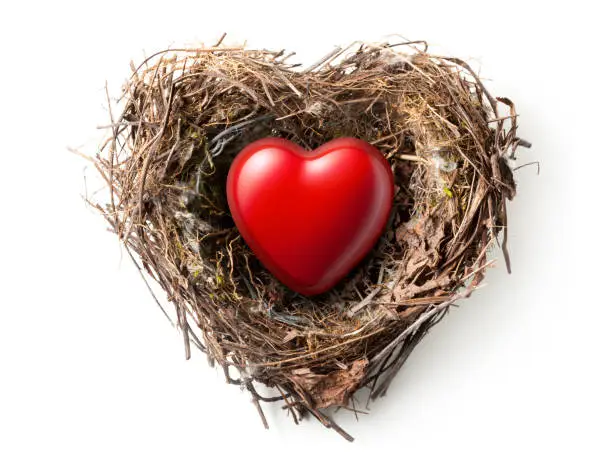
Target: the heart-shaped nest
(186, 113)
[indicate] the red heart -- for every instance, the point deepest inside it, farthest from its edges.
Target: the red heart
(310, 216)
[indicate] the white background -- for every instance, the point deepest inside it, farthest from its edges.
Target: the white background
(89, 364)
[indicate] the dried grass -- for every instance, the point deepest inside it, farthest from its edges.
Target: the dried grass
(187, 112)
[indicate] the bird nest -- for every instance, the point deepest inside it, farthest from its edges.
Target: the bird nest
(186, 113)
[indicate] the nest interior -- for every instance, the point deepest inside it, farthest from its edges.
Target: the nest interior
(186, 113)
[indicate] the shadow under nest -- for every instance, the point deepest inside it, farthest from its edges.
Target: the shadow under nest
(186, 113)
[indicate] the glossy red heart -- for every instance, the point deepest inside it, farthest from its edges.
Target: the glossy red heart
(310, 216)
